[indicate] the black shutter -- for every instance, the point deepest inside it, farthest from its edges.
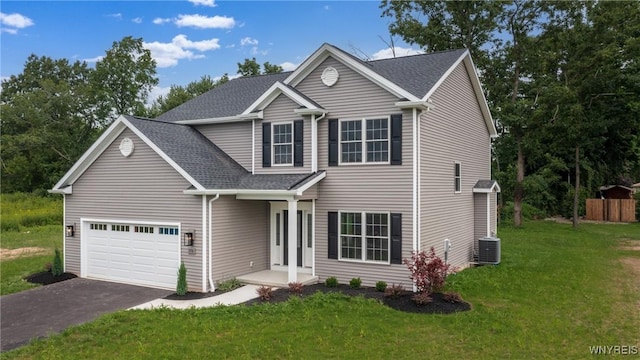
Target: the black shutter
(396, 139)
(396, 238)
(333, 142)
(333, 235)
(266, 144)
(298, 145)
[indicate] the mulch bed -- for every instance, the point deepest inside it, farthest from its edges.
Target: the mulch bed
(401, 303)
(193, 295)
(46, 278)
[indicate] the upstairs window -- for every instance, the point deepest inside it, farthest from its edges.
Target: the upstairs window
(283, 144)
(457, 177)
(370, 136)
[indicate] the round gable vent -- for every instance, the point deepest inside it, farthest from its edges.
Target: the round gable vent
(126, 147)
(330, 76)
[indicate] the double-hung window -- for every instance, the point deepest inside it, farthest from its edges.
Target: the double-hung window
(364, 141)
(364, 236)
(283, 144)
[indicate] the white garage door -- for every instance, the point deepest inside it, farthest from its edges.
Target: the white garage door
(140, 254)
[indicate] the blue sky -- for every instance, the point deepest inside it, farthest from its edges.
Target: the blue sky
(192, 38)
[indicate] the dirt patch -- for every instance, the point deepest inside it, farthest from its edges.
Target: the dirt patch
(633, 264)
(10, 254)
(629, 245)
(562, 220)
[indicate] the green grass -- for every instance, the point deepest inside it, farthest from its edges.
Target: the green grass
(28, 221)
(556, 292)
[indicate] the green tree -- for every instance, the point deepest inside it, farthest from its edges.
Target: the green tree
(250, 67)
(272, 68)
(178, 95)
(123, 79)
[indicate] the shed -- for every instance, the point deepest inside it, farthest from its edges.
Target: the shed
(616, 192)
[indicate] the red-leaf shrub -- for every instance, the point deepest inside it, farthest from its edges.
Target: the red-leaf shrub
(421, 298)
(295, 288)
(428, 271)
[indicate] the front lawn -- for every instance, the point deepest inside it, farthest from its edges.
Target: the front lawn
(556, 293)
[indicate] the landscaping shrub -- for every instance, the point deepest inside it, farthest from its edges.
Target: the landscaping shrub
(421, 298)
(381, 286)
(181, 288)
(331, 282)
(295, 288)
(528, 212)
(355, 283)
(452, 297)
(428, 271)
(264, 292)
(394, 291)
(57, 268)
(228, 285)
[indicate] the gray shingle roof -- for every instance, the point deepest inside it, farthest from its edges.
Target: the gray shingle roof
(485, 184)
(417, 74)
(208, 164)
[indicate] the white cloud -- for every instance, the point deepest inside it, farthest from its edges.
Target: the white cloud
(117, 16)
(248, 41)
(8, 30)
(160, 21)
(399, 52)
(205, 22)
(94, 59)
(209, 3)
(288, 66)
(168, 54)
(15, 20)
(137, 20)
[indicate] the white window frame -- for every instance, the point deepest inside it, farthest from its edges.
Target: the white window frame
(363, 140)
(363, 237)
(457, 179)
(273, 143)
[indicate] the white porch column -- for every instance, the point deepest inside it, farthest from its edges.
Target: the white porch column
(292, 249)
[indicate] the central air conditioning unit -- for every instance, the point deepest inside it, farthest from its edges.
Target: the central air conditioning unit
(489, 250)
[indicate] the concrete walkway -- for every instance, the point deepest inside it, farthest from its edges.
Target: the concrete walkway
(237, 296)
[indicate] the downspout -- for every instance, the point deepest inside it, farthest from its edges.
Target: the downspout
(253, 146)
(211, 285)
(414, 208)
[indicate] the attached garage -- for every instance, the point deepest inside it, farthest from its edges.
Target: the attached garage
(145, 254)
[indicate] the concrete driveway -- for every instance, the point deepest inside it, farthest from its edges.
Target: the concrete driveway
(50, 309)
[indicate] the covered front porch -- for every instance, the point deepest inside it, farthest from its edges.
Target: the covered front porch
(276, 278)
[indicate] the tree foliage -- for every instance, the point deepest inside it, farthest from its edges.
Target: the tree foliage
(250, 67)
(178, 95)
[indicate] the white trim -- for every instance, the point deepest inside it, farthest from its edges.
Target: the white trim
(326, 50)
(273, 92)
(364, 141)
(314, 144)
(64, 235)
(363, 237)
(211, 283)
(495, 187)
(420, 105)
(273, 144)
(253, 146)
(204, 243)
(315, 111)
(313, 237)
(268, 194)
(67, 190)
(101, 145)
(488, 214)
(310, 183)
(224, 119)
(455, 178)
(292, 251)
(414, 226)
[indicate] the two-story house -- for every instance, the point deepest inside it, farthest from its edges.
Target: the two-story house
(339, 168)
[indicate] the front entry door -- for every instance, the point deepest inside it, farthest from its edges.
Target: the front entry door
(281, 239)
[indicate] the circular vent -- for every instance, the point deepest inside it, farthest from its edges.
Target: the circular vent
(126, 147)
(330, 76)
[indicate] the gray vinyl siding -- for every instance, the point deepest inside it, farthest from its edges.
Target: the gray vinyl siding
(233, 138)
(453, 130)
(375, 188)
(494, 213)
(240, 234)
(281, 110)
(480, 217)
(141, 187)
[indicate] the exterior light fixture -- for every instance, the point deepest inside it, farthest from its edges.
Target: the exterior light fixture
(187, 239)
(68, 231)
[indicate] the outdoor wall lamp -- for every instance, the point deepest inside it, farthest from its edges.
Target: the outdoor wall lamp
(68, 231)
(187, 239)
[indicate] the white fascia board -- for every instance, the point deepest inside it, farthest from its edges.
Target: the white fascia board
(222, 120)
(98, 147)
(238, 192)
(310, 183)
(68, 190)
(324, 51)
(495, 187)
(273, 92)
(420, 105)
(316, 111)
(163, 155)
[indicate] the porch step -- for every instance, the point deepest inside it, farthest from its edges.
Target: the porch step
(275, 278)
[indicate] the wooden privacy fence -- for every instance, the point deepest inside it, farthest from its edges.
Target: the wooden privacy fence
(616, 210)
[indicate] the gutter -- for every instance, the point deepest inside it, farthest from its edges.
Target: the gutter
(211, 285)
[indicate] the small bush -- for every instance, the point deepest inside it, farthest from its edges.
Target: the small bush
(264, 292)
(381, 286)
(529, 212)
(452, 297)
(181, 288)
(57, 268)
(394, 291)
(295, 288)
(421, 298)
(355, 283)
(331, 282)
(48, 266)
(228, 285)
(428, 271)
